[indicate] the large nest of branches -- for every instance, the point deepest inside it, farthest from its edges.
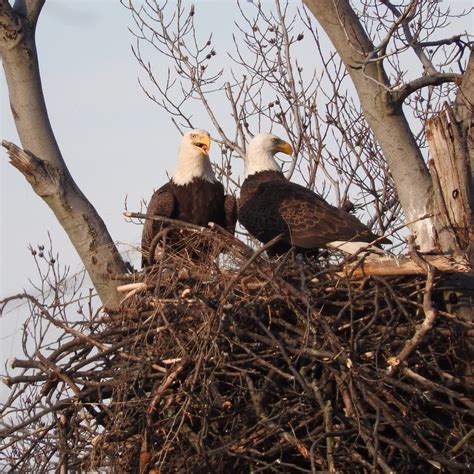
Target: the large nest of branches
(229, 362)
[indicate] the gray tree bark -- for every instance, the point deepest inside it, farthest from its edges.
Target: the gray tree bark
(383, 112)
(41, 161)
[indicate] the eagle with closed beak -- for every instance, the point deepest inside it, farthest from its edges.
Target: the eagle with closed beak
(270, 205)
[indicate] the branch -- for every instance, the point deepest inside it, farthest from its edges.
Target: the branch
(11, 32)
(423, 329)
(30, 9)
(163, 385)
(430, 385)
(60, 405)
(172, 222)
(402, 19)
(69, 382)
(389, 266)
(417, 47)
(213, 230)
(43, 177)
(399, 95)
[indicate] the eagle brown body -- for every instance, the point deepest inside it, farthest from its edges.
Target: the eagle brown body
(198, 202)
(270, 205)
(193, 195)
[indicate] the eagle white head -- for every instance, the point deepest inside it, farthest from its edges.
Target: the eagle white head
(193, 158)
(261, 153)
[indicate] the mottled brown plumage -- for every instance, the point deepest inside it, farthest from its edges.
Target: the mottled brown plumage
(270, 205)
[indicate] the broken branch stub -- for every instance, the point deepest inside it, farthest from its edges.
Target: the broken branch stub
(451, 174)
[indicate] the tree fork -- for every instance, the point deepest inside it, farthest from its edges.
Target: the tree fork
(41, 161)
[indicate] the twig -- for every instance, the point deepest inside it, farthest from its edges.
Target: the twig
(430, 316)
(247, 264)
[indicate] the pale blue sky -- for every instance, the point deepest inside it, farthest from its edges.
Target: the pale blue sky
(115, 141)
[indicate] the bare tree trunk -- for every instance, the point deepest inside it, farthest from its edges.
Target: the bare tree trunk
(450, 169)
(384, 116)
(41, 162)
(459, 134)
(463, 108)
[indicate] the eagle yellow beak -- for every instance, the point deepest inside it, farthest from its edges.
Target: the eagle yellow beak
(284, 147)
(202, 141)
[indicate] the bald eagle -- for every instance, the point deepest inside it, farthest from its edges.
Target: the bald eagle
(270, 205)
(192, 195)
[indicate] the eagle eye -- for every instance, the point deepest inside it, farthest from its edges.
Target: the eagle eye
(193, 136)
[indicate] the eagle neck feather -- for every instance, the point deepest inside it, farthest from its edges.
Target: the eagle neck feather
(192, 164)
(258, 161)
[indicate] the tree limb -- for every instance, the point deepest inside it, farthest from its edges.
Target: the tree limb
(404, 265)
(41, 161)
(30, 9)
(416, 46)
(422, 330)
(399, 95)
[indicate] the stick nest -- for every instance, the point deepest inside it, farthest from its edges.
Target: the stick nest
(241, 364)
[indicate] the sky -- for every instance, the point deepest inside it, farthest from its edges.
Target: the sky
(117, 144)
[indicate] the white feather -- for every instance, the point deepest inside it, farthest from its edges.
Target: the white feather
(260, 155)
(192, 162)
(352, 247)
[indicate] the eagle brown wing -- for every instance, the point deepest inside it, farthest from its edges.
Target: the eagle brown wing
(315, 223)
(162, 203)
(305, 219)
(230, 210)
